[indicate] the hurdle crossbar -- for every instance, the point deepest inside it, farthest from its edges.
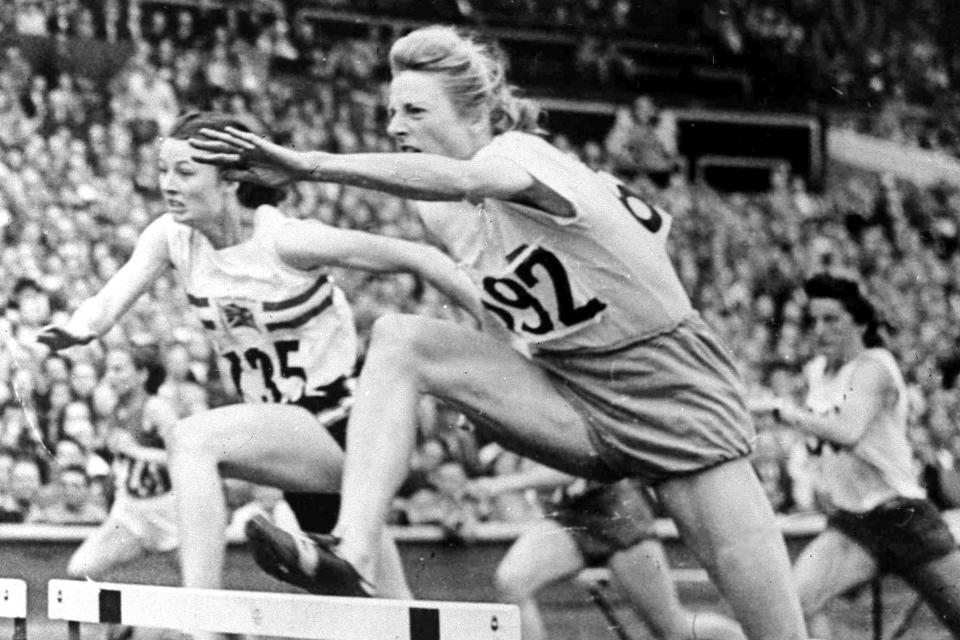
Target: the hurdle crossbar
(13, 605)
(279, 614)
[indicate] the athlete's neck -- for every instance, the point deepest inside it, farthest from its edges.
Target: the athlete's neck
(233, 227)
(849, 354)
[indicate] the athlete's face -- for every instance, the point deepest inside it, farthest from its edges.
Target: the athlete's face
(122, 375)
(192, 192)
(831, 326)
(424, 119)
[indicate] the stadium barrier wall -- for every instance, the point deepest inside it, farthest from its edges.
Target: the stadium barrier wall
(873, 154)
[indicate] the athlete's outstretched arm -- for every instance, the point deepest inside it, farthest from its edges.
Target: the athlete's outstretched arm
(307, 244)
(96, 315)
(537, 476)
(870, 389)
(418, 176)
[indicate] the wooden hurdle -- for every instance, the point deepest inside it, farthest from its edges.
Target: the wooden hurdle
(277, 614)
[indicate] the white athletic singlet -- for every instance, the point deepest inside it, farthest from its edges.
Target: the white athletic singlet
(880, 465)
(597, 279)
(284, 333)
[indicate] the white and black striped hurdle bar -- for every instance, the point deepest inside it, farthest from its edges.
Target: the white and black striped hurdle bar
(13, 605)
(277, 614)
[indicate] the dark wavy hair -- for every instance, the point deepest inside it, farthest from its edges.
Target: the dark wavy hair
(848, 293)
(147, 358)
(249, 194)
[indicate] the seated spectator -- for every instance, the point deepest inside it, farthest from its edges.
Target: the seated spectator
(637, 145)
(68, 453)
(26, 488)
(73, 503)
(444, 502)
(9, 508)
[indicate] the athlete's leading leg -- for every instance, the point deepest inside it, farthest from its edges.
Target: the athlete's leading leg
(278, 445)
(725, 518)
(410, 356)
(544, 554)
(643, 573)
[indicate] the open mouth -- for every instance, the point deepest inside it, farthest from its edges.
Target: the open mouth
(405, 148)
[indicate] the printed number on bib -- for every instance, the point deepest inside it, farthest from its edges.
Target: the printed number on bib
(651, 218)
(268, 375)
(537, 297)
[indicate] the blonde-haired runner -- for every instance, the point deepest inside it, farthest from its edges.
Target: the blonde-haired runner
(624, 379)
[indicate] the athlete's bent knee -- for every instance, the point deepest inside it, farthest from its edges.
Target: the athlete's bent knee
(78, 567)
(399, 341)
(512, 583)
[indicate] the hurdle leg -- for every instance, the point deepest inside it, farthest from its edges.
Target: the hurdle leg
(19, 629)
(73, 630)
(876, 592)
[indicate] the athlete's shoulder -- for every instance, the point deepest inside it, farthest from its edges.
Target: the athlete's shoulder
(167, 227)
(158, 412)
(882, 358)
(518, 145)
(875, 366)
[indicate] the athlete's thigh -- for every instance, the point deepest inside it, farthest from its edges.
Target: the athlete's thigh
(643, 573)
(829, 566)
(938, 582)
(273, 444)
(498, 388)
(108, 546)
(543, 554)
(725, 518)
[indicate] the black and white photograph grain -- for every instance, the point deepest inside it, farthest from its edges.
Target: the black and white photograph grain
(480, 319)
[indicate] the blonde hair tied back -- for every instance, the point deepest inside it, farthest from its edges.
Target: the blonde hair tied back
(474, 75)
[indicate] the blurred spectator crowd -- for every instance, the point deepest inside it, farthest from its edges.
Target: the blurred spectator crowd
(78, 183)
(888, 67)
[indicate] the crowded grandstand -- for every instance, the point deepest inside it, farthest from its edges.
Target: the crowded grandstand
(785, 138)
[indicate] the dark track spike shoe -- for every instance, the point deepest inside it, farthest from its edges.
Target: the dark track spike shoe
(307, 561)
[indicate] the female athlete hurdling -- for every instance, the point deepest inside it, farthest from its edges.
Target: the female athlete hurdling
(623, 378)
(256, 281)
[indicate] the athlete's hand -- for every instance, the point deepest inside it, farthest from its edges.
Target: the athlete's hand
(764, 403)
(481, 489)
(249, 158)
(58, 338)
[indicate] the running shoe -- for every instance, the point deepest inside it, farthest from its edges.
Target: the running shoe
(308, 561)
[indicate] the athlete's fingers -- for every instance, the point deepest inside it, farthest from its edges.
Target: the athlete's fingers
(229, 136)
(262, 177)
(215, 146)
(250, 138)
(58, 338)
(219, 159)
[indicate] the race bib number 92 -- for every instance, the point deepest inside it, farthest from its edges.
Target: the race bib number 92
(537, 298)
